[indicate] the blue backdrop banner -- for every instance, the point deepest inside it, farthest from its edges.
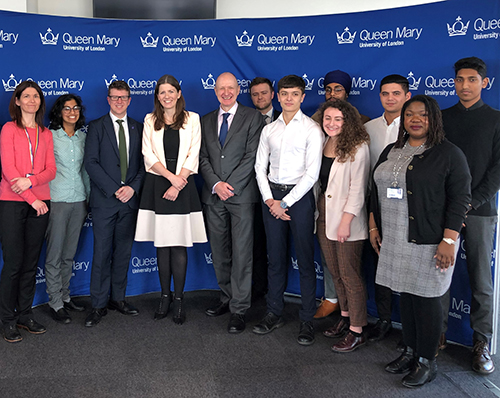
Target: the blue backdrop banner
(83, 56)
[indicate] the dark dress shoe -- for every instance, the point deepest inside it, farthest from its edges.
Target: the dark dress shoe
(219, 309)
(306, 333)
(72, 306)
(402, 364)
(268, 324)
(31, 326)
(123, 307)
(61, 315)
(236, 323)
(423, 371)
(179, 313)
(163, 307)
(380, 331)
(349, 343)
(95, 316)
(11, 334)
(481, 358)
(339, 329)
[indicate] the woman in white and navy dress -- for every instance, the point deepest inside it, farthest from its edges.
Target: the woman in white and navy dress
(170, 211)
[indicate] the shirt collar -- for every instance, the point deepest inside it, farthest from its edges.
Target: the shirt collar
(61, 133)
(232, 111)
(298, 116)
(477, 105)
(396, 120)
(114, 118)
(270, 113)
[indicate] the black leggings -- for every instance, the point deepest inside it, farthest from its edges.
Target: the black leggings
(172, 261)
(422, 319)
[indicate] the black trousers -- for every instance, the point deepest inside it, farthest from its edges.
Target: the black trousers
(114, 230)
(301, 226)
(21, 233)
(421, 318)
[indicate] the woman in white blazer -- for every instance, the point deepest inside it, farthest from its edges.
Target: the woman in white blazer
(170, 210)
(342, 222)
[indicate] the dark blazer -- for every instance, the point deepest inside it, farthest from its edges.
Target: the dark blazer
(437, 191)
(102, 162)
(234, 163)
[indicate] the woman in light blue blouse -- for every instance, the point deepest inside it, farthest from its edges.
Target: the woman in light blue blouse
(69, 193)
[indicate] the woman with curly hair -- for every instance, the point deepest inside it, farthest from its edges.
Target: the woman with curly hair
(69, 193)
(342, 222)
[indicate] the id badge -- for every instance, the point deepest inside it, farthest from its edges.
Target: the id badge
(394, 193)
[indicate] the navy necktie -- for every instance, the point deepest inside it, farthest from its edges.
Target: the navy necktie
(223, 129)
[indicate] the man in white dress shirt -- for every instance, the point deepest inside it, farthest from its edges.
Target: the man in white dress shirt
(287, 166)
(394, 92)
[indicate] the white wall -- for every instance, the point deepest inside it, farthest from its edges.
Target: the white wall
(13, 5)
(287, 8)
(74, 8)
(225, 8)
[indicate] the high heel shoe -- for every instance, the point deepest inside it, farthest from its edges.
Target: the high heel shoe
(163, 306)
(179, 314)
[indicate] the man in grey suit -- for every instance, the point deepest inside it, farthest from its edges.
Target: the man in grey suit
(230, 136)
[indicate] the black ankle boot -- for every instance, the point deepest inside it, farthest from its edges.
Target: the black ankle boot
(163, 306)
(423, 371)
(179, 314)
(402, 364)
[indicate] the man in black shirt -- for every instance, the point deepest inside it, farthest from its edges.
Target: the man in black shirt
(475, 128)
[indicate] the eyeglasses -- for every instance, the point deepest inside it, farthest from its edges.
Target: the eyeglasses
(67, 109)
(337, 89)
(118, 97)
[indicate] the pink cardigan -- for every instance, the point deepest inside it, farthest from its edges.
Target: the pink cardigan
(16, 162)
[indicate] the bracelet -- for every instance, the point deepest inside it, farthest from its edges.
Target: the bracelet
(372, 229)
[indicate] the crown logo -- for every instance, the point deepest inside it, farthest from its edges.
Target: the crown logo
(208, 258)
(113, 79)
(149, 41)
(414, 83)
(49, 38)
(208, 84)
(11, 84)
(309, 84)
(346, 37)
(244, 40)
(458, 28)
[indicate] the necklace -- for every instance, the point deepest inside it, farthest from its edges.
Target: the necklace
(406, 159)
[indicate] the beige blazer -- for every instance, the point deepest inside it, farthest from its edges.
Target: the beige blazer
(189, 144)
(346, 192)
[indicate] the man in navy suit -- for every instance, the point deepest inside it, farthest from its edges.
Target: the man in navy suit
(230, 136)
(114, 162)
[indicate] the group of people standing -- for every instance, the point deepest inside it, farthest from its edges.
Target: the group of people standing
(265, 174)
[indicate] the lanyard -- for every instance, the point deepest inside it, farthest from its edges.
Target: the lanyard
(35, 150)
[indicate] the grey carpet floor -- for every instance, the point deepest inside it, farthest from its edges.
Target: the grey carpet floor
(139, 357)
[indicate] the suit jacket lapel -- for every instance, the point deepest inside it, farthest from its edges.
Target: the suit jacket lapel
(110, 131)
(132, 136)
(214, 130)
(235, 124)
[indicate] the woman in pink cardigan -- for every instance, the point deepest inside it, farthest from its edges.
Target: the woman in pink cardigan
(28, 164)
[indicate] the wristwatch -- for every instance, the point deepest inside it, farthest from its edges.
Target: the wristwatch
(449, 241)
(283, 205)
